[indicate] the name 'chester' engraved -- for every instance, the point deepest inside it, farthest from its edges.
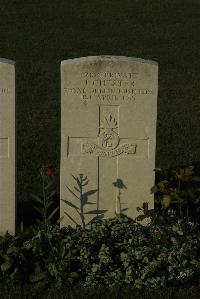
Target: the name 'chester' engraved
(108, 86)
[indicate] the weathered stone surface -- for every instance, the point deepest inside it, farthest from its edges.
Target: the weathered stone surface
(7, 146)
(108, 133)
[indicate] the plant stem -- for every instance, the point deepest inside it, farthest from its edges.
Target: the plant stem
(187, 214)
(81, 213)
(44, 200)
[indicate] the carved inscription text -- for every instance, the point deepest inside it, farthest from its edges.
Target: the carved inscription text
(4, 90)
(107, 87)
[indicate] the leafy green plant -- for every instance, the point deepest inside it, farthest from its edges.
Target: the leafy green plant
(44, 202)
(53, 256)
(116, 252)
(121, 254)
(82, 197)
(177, 195)
(147, 214)
(112, 252)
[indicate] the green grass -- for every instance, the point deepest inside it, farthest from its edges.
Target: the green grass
(39, 34)
(17, 292)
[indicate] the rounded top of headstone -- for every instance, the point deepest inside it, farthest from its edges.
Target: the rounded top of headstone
(109, 57)
(8, 61)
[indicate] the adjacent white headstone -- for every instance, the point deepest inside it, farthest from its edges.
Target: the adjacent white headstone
(108, 133)
(7, 146)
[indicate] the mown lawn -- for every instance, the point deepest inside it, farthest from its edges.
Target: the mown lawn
(16, 292)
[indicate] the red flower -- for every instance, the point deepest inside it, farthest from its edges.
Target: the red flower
(49, 170)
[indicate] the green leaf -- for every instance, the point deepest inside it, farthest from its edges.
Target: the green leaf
(95, 268)
(74, 275)
(37, 276)
(173, 240)
(49, 185)
(176, 198)
(97, 217)
(154, 189)
(52, 193)
(175, 228)
(145, 206)
(166, 201)
(197, 200)
(162, 185)
(37, 198)
(188, 171)
(12, 250)
(49, 204)
(140, 217)
(14, 274)
(52, 269)
(53, 213)
(7, 264)
(59, 220)
(196, 179)
(179, 232)
(62, 251)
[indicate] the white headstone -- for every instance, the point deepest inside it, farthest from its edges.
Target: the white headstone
(7, 146)
(108, 133)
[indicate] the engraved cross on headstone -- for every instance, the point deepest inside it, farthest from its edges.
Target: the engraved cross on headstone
(108, 144)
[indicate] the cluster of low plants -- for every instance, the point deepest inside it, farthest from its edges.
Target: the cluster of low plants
(114, 252)
(117, 252)
(177, 196)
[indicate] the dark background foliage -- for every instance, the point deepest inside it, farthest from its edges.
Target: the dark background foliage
(38, 35)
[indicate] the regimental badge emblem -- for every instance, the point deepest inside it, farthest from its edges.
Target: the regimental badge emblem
(108, 141)
(108, 137)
